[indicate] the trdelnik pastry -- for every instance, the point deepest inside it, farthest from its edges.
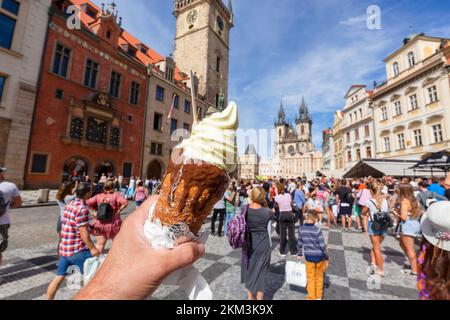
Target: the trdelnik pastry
(198, 172)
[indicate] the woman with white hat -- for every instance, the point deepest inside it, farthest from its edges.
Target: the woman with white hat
(434, 260)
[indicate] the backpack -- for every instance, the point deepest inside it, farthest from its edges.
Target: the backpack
(104, 211)
(140, 194)
(381, 220)
(237, 229)
(349, 198)
(3, 204)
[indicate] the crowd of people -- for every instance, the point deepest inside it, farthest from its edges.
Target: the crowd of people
(416, 211)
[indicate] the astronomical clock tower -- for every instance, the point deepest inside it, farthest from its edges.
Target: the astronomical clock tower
(202, 45)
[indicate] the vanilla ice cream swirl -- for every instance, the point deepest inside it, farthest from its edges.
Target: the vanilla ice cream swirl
(213, 139)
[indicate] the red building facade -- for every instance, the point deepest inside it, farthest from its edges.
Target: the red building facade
(90, 112)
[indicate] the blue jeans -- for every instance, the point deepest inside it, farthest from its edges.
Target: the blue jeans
(229, 216)
(77, 260)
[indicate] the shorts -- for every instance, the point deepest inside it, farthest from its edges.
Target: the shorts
(4, 234)
(371, 232)
(357, 211)
(410, 228)
(345, 211)
(335, 210)
(77, 260)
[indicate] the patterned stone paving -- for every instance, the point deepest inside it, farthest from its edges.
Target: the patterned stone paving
(26, 273)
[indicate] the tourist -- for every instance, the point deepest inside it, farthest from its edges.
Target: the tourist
(409, 212)
(219, 210)
(437, 186)
(330, 208)
(107, 229)
(426, 197)
(283, 201)
(76, 245)
(375, 205)
(311, 247)
(344, 199)
(141, 194)
(270, 201)
(65, 195)
(434, 260)
(362, 197)
(230, 202)
(103, 179)
(255, 266)
(131, 187)
(299, 200)
(120, 181)
(133, 268)
(322, 197)
(9, 199)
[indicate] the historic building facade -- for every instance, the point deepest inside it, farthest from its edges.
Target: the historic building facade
(338, 142)
(327, 151)
(295, 153)
(22, 37)
(249, 163)
(412, 109)
(89, 116)
(201, 45)
(357, 127)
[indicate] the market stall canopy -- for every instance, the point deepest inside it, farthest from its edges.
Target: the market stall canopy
(381, 168)
(434, 162)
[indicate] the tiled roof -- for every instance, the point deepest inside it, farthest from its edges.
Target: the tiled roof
(151, 57)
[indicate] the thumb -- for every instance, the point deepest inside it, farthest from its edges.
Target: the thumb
(184, 255)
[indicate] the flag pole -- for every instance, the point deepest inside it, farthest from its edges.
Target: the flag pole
(194, 102)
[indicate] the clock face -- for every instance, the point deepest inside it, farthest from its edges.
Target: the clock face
(192, 16)
(291, 150)
(220, 23)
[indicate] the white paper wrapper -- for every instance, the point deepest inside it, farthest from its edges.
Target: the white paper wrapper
(188, 278)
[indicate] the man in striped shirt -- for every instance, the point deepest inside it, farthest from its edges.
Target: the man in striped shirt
(76, 245)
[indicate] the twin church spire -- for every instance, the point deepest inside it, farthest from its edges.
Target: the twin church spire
(303, 117)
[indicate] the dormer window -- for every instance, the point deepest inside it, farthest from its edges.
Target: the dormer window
(131, 51)
(411, 59)
(396, 69)
(108, 34)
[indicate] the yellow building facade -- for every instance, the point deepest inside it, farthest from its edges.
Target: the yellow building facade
(411, 110)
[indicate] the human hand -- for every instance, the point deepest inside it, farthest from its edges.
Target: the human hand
(133, 270)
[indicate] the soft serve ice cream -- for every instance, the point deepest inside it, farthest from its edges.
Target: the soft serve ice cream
(198, 173)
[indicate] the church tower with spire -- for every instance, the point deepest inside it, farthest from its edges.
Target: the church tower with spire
(281, 124)
(304, 124)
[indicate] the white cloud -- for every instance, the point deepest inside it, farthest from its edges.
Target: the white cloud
(358, 20)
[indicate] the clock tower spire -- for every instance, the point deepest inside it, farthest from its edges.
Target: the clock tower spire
(202, 45)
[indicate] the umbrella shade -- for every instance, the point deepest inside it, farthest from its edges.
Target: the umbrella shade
(435, 161)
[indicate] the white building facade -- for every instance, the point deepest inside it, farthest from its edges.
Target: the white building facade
(357, 129)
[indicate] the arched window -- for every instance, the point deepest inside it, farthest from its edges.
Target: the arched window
(411, 59)
(396, 69)
(303, 130)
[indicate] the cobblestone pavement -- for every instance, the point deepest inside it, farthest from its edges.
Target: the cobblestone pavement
(29, 266)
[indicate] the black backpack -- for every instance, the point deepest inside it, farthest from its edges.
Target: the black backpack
(3, 204)
(381, 220)
(104, 212)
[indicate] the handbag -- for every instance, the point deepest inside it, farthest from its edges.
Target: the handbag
(296, 274)
(380, 220)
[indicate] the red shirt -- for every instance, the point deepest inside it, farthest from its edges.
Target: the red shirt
(76, 215)
(115, 200)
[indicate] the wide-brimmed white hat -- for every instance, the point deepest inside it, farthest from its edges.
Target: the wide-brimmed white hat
(436, 225)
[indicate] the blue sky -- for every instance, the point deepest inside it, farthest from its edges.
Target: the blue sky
(286, 49)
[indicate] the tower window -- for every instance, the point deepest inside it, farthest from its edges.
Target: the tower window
(218, 64)
(108, 34)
